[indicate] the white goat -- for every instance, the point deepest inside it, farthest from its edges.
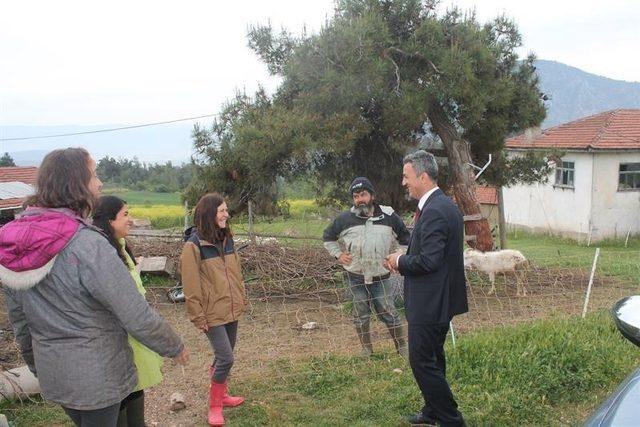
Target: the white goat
(507, 260)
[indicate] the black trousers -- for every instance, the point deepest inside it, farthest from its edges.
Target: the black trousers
(429, 366)
(132, 410)
(105, 417)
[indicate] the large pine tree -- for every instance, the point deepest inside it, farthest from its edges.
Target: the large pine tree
(359, 94)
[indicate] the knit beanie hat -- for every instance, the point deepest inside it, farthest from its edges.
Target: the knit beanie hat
(361, 183)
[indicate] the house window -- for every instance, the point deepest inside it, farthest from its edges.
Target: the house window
(564, 174)
(629, 177)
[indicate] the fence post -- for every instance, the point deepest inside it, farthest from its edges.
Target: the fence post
(252, 237)
(593, 273)
(186, 214)
(453, 335)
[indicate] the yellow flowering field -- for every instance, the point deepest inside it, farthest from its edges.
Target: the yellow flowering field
(167, 216)
(302, 207)
(161, 216)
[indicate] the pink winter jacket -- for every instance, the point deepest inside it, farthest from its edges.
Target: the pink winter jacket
(36, 237)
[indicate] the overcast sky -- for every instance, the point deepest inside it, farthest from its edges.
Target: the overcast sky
(130, 62)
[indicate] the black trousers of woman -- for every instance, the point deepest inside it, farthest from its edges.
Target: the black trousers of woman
(132, 410)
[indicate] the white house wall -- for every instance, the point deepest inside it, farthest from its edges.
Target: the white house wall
(543, 207)
(614, 213)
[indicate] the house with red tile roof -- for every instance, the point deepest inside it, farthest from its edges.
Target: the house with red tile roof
(488, 198)
(594, 190)
(27, 174)
(16, 183)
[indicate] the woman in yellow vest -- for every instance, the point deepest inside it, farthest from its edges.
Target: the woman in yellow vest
(111, 215)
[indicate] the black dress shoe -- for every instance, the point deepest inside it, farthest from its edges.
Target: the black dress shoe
(420, 420)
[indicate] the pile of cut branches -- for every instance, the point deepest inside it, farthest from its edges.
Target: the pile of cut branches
(273, 270)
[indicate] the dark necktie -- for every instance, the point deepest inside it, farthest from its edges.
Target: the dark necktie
(416, 215)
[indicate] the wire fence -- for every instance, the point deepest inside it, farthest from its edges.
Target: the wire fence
(294, 282)
(300, 320)
(300, 308)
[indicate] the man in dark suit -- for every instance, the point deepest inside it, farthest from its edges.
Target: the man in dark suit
(434, 286)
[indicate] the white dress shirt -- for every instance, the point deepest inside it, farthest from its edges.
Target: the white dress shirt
(425, 196)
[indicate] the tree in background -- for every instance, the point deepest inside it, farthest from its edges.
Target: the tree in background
(361, 93)
(135, 175)
(251, 144)
(6, 160)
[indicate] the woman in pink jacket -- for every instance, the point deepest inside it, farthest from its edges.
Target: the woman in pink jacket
(71, 300)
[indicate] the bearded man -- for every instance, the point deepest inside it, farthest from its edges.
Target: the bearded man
(360, 239)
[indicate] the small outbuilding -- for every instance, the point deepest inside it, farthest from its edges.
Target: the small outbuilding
(16, 184)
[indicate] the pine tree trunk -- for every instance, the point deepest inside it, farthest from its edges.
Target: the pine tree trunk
(463, 178)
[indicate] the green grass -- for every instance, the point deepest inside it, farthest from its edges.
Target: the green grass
(294, 227)
(155, 281)
(143, 198)
(34, 413)
(615, 260)
(550, 372)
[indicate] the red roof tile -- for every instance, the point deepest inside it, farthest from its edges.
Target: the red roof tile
(611, 130)
(10, 203)
(21, 174)
(487, 195)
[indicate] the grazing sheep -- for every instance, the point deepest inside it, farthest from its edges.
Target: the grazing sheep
(507, 260)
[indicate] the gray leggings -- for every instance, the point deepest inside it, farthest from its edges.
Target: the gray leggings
(223, 341)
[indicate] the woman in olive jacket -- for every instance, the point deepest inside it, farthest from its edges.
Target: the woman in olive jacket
(215, 293)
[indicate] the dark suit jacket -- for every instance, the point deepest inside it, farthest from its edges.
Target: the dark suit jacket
(435, 287)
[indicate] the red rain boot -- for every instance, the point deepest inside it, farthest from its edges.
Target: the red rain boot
(216, 392)
(231, 401)
(227, 401)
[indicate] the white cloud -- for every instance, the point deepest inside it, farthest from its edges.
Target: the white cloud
(122, 62)
(79, 62)
(598, 37)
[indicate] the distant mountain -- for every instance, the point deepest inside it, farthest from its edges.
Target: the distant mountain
(155, 144)
(575, 93)
(28, 157)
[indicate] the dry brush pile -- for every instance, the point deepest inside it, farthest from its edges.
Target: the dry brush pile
(270, 270)
(273, 270)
